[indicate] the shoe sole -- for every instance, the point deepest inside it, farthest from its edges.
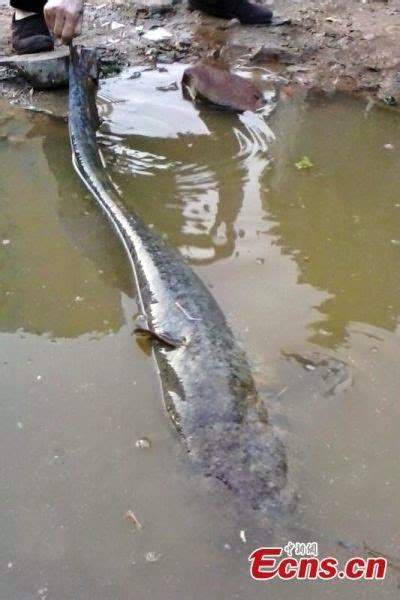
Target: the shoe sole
(34, 45)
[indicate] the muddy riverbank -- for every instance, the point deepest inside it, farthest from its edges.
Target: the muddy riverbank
(330, 45)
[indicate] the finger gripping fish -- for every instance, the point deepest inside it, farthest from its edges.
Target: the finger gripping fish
(206, 380)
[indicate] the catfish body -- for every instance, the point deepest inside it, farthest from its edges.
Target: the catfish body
(206, 380)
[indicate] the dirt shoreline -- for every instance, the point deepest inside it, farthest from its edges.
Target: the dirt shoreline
(336, 45)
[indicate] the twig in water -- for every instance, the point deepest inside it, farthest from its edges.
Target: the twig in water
(130, 516)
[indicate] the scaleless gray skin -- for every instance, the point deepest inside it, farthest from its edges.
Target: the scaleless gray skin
(208, 388)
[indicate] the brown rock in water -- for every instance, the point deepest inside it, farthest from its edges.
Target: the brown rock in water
(202, 83)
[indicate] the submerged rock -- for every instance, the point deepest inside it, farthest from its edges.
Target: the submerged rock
(203, 83)
(332, 376)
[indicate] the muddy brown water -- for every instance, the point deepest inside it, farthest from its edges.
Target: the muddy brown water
(304, 262)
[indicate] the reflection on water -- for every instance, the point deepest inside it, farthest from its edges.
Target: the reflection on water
(341, 220)
(199, 159)
(57, 259)
(292, 256)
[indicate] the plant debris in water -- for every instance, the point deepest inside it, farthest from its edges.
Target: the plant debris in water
(304, 163)
(131, 517)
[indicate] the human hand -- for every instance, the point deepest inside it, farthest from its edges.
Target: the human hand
(64, 18)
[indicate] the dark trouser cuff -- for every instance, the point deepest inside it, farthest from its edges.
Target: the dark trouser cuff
(29, 5)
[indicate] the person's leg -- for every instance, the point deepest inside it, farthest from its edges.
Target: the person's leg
(31, 6)
(29, 30)
(247, 12)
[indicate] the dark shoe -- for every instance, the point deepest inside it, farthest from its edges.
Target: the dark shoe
(245, 11)
(31, 35)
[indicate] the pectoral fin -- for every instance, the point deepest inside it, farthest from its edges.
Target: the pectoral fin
(142, 328)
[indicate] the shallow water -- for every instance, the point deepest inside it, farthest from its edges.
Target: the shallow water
(301, 261)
